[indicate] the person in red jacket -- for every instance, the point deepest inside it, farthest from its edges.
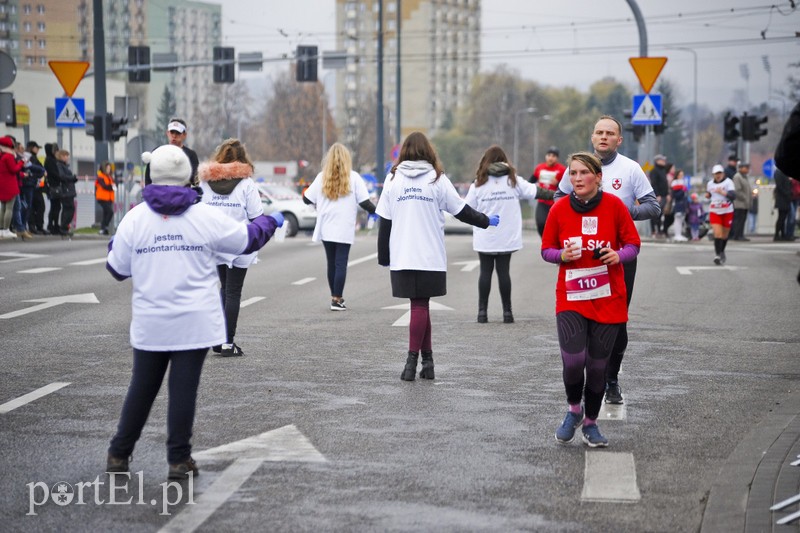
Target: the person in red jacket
(9, 183)
(547, 175)
(104, 194)
(589, 235)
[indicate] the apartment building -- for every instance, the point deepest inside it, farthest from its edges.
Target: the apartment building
(440, 47)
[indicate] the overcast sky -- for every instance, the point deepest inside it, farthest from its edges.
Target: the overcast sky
(577, 42)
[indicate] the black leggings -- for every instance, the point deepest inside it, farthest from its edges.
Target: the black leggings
(542, 210)
(67, 212)
(337, 254)
(148, 374)
(585, 349)
(54, 215)
(488, 263)
(232, 281)
(621, 344)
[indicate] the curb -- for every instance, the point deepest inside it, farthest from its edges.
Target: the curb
(756, 474)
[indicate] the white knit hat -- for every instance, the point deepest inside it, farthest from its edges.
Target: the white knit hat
(169, 165)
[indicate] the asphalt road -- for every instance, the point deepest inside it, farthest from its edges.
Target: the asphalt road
(339, 443)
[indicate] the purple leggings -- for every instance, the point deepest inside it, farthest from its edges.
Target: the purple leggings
(585, 348)
(419, 330)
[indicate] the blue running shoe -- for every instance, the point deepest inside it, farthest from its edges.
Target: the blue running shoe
(593, 438)
(566, 431)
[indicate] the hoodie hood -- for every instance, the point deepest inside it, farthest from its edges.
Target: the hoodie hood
(498, 169)
(48, 150)
(413, 169)
(168, 199)
(223, 178)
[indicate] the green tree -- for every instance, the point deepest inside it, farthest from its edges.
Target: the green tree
(676, 140)
(166, 110)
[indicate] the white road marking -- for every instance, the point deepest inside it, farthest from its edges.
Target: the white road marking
(40, 270)
(87, 298)
(610, 477)
(19, 256)
(611, 411)
(90, 261)
(31, 396)
(788, 519)
(233, 477)
(785, 503)
(469, 266)
(303, 281)
(405, 319)
(286, 443)
(687, 270)
(362, 259)
(251, 301)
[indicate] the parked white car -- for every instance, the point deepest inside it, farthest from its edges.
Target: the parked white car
(299, 216)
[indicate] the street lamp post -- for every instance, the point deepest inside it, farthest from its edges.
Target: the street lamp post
(516, 128)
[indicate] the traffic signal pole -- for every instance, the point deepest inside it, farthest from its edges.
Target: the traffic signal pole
(645, 147)
(100, 109)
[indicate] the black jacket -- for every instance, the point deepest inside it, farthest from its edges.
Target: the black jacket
(787, 154)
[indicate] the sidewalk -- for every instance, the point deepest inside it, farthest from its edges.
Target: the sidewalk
(758, 474)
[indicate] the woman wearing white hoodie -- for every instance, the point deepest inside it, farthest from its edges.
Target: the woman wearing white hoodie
(411, 238)
(496, 189)
(227, 185)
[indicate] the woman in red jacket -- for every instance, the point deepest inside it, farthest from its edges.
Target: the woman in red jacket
(9, 183)
(589, 235)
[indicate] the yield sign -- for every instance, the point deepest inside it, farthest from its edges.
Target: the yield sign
(69, 73)
(647, 70)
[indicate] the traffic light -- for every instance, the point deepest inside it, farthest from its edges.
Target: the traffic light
(637, 130)
(99, 127)
(118, 128)
(658, 129)
(306, 69)
(758, 131)
(730, 132)
(139, 55)
(225, 73)
(733, 148)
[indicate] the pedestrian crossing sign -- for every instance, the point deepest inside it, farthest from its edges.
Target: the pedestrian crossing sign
(647, 110)
(70, 113)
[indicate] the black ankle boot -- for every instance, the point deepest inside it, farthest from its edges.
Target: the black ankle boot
(482, 317)
(411, 367)
(508, 317)
(427, 365)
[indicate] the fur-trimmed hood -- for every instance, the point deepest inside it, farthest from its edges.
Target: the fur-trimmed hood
(223, 177)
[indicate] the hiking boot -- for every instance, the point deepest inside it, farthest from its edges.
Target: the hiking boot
(231, 350)
(182, 470)
(117, 464)
(613, 392)
(427, 365)
(338, 305)
(566, 431)
(411, 367)
(592, 437)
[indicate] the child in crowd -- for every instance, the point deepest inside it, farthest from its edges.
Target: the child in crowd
(694, 216)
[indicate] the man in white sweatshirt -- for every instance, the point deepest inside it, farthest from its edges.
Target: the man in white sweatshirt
(624, 178)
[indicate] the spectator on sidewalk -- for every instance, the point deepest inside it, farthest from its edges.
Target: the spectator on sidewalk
(741, 203)
(104, 195)
(53, 183)
(68, 193)
(36, 219)
(10, 167)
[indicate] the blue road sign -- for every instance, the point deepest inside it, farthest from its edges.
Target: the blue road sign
(70, 113)
(769, 168)
(647, 110)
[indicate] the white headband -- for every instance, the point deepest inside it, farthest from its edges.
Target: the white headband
(176, 126)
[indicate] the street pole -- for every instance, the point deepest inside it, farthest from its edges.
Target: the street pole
(100, 109)
(516, 130)
(398, 85)
(644, 147)
(379, 141)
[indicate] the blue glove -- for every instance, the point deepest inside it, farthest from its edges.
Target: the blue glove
(494, 220)
(278, 216)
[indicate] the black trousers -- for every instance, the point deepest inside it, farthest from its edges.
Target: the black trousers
(67, 212)
(232, 281)
(739, 218)
(37, 214)
(542, 210)
(108, 213)
(621, 343)
(54, 216)
(488, 263)
(148, 374)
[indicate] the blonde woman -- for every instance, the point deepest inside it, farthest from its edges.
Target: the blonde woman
(337, 192)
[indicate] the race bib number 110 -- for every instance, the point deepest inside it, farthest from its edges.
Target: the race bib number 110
(587, 283)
